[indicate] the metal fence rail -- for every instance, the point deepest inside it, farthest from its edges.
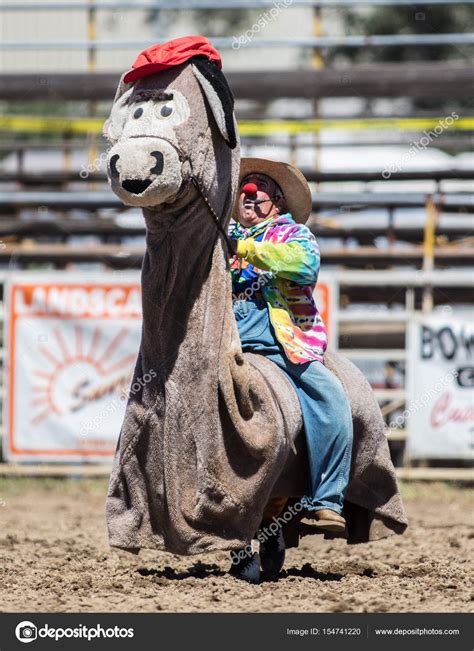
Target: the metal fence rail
(449, 202)
(119, 256)
(59, 178)
(62, 228)
(462, 143)
(453, 79)
(180, 5)
(311, 42)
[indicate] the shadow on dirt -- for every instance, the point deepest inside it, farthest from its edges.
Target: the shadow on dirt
(205, 570)
(308, 572)
(197, 571)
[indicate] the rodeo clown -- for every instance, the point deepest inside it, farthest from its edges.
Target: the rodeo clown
(274, 273)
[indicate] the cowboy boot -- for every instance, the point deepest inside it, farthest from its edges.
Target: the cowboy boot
(325, 519)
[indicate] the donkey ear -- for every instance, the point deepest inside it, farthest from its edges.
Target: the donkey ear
(219, 96)
(114, 124)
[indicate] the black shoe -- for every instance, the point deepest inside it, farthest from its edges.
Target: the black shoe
(245, 566)
(272, 552)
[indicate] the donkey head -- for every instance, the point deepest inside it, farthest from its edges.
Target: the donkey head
(168, 127)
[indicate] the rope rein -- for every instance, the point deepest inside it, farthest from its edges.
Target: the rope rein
(227, 239)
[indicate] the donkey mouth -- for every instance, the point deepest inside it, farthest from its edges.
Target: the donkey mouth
(136, 186)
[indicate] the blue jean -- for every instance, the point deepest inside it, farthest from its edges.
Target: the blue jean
(325, 409)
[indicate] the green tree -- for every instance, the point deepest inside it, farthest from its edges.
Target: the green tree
(413, 19)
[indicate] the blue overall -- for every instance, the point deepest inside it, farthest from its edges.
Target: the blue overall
(326, 412)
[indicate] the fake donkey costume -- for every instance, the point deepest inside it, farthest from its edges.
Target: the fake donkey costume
(211, 438)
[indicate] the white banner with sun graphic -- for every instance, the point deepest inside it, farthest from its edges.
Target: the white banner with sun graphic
(71, 349)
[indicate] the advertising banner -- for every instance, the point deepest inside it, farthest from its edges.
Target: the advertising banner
(71, 347)
(325, 296)
(440, 402)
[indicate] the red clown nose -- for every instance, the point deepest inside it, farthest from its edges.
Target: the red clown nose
(250, 188)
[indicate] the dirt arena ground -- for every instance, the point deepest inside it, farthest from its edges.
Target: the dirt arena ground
(54, 557)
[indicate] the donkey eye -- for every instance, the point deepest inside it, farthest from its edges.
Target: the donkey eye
(164, 110)
(138, 113)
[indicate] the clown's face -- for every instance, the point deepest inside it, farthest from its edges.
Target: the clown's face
(266, 202)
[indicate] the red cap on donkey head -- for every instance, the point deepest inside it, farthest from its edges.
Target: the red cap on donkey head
(173, 53)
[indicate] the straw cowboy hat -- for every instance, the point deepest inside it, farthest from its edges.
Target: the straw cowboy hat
(291, 181)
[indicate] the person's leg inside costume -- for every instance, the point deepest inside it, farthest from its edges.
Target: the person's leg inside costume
(325, 409)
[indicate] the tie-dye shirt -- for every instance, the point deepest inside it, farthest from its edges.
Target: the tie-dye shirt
(279, 260)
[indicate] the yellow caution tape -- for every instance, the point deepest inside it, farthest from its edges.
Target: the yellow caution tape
(25, 123)
(252, 128)
(35, 124)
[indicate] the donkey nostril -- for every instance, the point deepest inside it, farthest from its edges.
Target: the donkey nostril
(113, 165)
(136, 186)
(159, 162)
